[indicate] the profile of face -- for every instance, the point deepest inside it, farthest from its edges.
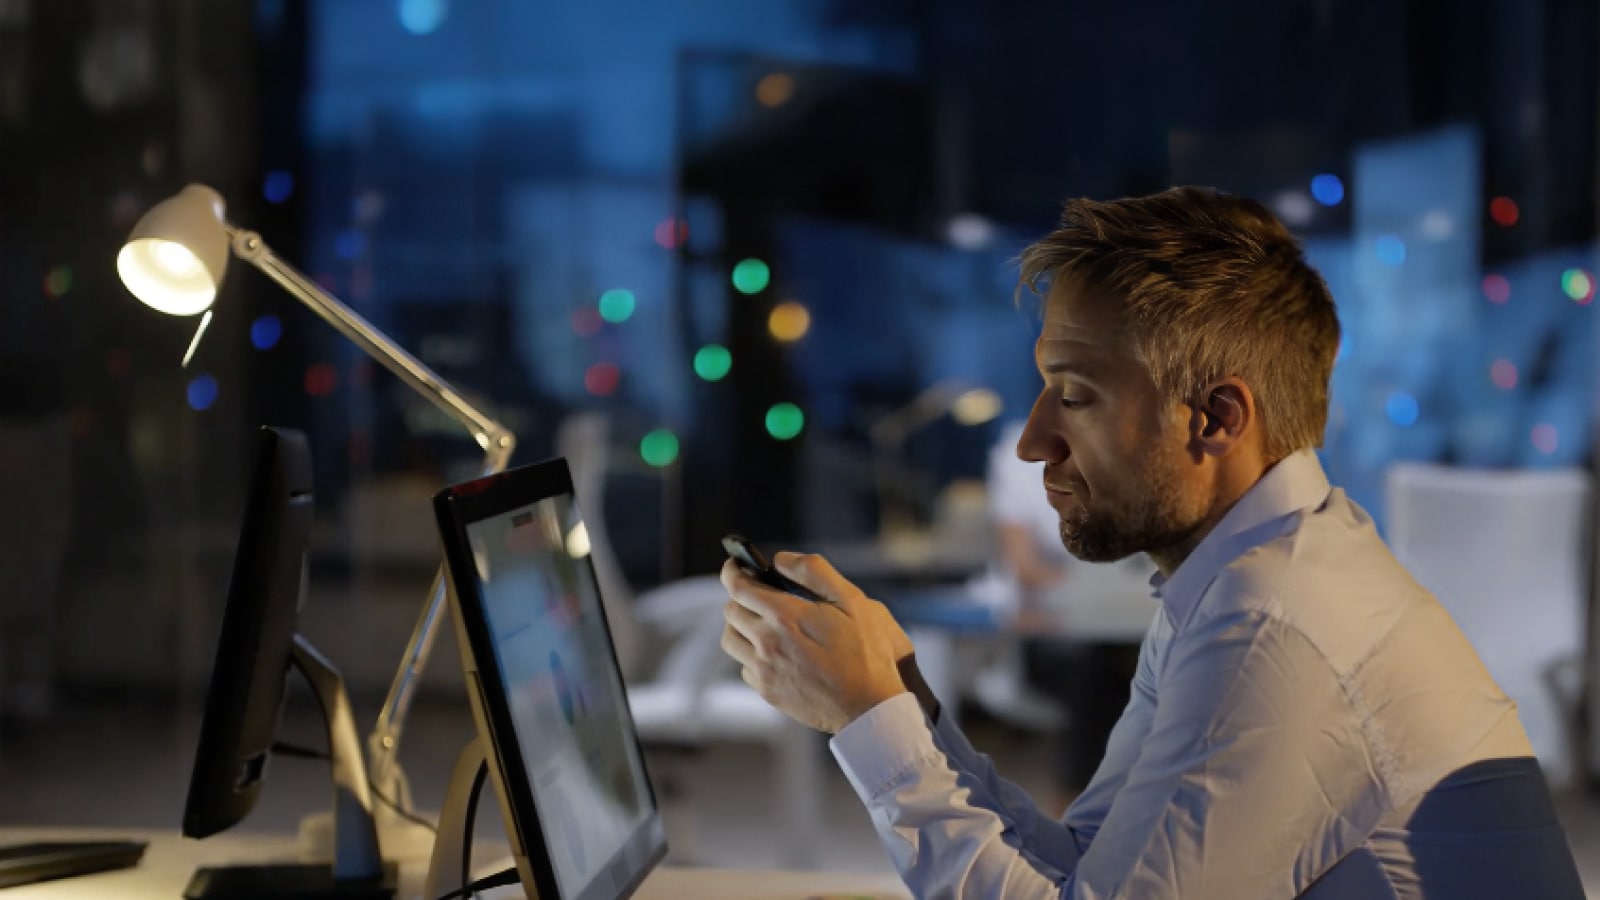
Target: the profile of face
(1123, 466)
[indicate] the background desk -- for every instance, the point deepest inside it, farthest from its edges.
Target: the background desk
(171, 859)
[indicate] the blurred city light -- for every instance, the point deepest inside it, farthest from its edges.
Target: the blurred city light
(712, 362)
(789, 321)
(785, 421)
(659, 448)
(617, 305)
(751, 276)
(1327, 189)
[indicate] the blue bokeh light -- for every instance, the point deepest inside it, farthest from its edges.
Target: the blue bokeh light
(278, 186)
(351, 244)
(423, 16)
(202, 393)
(1402, 409)
(265, 332)
(1327, 189)
(1391, 250)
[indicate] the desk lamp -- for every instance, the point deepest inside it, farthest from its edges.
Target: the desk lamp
(174, 261)
(970, 406)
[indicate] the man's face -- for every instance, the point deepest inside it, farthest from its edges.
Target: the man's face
(1119, 467)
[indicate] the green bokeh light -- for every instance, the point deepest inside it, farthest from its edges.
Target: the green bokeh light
(616, 305)
(751, 276)
(659, 448)
(712, 362)
(1577, 284)
(784, 421)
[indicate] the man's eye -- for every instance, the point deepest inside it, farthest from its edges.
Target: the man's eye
(1070, 403)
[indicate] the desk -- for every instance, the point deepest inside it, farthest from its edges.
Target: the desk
(170, 859)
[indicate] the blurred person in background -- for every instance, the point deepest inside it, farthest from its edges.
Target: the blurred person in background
(1306, 719)
(1088, 681)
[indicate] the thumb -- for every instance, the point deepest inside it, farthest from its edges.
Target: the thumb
(819, 575)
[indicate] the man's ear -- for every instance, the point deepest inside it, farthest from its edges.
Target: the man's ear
(1225, 418)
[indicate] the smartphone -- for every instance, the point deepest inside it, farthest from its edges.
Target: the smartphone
(755, 564)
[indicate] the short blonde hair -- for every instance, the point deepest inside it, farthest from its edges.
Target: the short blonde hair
(1214, 286)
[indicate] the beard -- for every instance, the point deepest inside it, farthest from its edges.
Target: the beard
(1152, 518)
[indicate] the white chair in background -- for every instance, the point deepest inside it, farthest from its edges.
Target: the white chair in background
(693, 697)
(1506, 552)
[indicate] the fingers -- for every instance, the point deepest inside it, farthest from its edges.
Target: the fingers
(769, 603)
(819, 575)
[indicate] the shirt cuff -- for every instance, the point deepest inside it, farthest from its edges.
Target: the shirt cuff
(882, 744)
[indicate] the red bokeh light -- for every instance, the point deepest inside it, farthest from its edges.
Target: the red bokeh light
(1545, 438)
(1497, 289)
(602, 379)
(1504, 374)
(672, 233)
(1504, 212)
(586, 322)
(321, 379)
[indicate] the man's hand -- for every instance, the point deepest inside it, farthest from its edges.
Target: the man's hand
(821, 664)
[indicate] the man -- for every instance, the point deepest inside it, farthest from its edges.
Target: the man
(1305, 721)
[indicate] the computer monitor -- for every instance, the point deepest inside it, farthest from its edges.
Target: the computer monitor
(244, 702)
(546, 689)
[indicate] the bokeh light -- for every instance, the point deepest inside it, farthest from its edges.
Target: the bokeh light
(265, 332)
(659, 448)
(321, 379)
(672, 233)
(1391, 250)
(1546, 439)
(1497, 289)
(202, 393)
(712, 362)
(751, 276)
(350, 244)
(602, 379)
(785, 421)
(278, 186)
(1578, 286)
(789, 321)
(617, 305)
(1504, 212)
(977, 406)
(1327, 189)
(1504, 374)
(1402, 409)
(774, 89)
(586, 322)
(58, 281)
(423, 16)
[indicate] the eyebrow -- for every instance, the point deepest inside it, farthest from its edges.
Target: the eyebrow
(1084, 370)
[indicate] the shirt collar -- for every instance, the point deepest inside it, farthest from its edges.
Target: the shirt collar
(1295, 483)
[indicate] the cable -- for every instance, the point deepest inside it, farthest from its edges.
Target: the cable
(498, 879)
(406, 814)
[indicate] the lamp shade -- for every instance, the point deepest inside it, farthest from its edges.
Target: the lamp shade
(176, 255)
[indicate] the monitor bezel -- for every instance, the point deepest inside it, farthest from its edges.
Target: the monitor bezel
(456, 508)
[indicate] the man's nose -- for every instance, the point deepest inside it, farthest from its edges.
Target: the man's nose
(1041, 441)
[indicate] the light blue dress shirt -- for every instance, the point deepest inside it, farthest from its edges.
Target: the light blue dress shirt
(1301, 706)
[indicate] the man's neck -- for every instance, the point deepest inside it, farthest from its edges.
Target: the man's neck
(1233, 482)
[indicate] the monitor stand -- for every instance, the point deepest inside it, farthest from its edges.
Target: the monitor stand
(358, 871)
(450, 869)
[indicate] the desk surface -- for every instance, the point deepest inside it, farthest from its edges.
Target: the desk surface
(170, 859)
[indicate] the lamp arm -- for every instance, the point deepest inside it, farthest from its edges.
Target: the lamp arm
(498, 443)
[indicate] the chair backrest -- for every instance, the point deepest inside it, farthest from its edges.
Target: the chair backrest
(1506, 553)
(584, 440)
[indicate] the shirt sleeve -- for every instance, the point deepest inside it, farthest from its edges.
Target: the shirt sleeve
(938, 803)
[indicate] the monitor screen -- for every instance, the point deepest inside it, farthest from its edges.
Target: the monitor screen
(564, 693)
